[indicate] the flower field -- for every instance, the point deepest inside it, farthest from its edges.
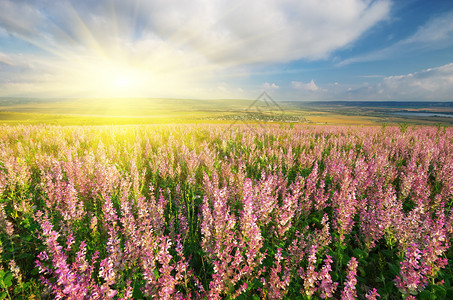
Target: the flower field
(209, 212)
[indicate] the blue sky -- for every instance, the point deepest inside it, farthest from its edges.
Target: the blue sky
(295, 50)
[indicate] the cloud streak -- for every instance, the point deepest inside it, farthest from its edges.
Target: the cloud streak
(435, 34)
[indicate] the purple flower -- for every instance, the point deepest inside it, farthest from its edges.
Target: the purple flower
(372, 294)
(326, 286)
(349, 291)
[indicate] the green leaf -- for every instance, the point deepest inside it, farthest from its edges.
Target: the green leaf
(315, 220)
(387, 253)
(244, 297)
(380, 278)
(7, 280)
(394, 269)
(358, 253)
(362, 271)
(427, 295)
(345, 259)
(22, 287)
(28, 238)
(440, 291)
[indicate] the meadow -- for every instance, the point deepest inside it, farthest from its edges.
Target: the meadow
(140, 111)
(209, 211)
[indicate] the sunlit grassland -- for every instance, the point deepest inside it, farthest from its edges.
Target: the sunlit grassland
(123, 107)
(124, 111)
(331, 118)
(15, 118)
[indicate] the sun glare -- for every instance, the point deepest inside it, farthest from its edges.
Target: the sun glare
(108, 77)
(116, 80)
(122, 81)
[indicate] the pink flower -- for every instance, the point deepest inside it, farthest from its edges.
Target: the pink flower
(413, 273)
(310, 276)
(349, 291)
(326, 286)
(372, 294)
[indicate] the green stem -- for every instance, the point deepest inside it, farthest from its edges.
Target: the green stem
(6, 289)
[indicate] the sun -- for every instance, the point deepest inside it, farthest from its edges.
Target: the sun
(111, 79)
(123, 81)
(108, 77)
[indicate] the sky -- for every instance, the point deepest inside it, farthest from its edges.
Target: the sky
(302, 50)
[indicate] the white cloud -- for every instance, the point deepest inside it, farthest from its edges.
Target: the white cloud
(3, 32)
(229, 32)
(186, 43)
(299, 85)
(20, 18)
(437, 30)
(5, 59)
(430, 84)
(372, 76)
(270, 86)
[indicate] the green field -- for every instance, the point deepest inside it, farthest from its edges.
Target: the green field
(162, 111)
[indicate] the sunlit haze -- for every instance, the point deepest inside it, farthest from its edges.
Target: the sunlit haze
(295, 50)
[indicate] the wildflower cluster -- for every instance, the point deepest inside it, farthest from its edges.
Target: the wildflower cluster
(209, 212)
